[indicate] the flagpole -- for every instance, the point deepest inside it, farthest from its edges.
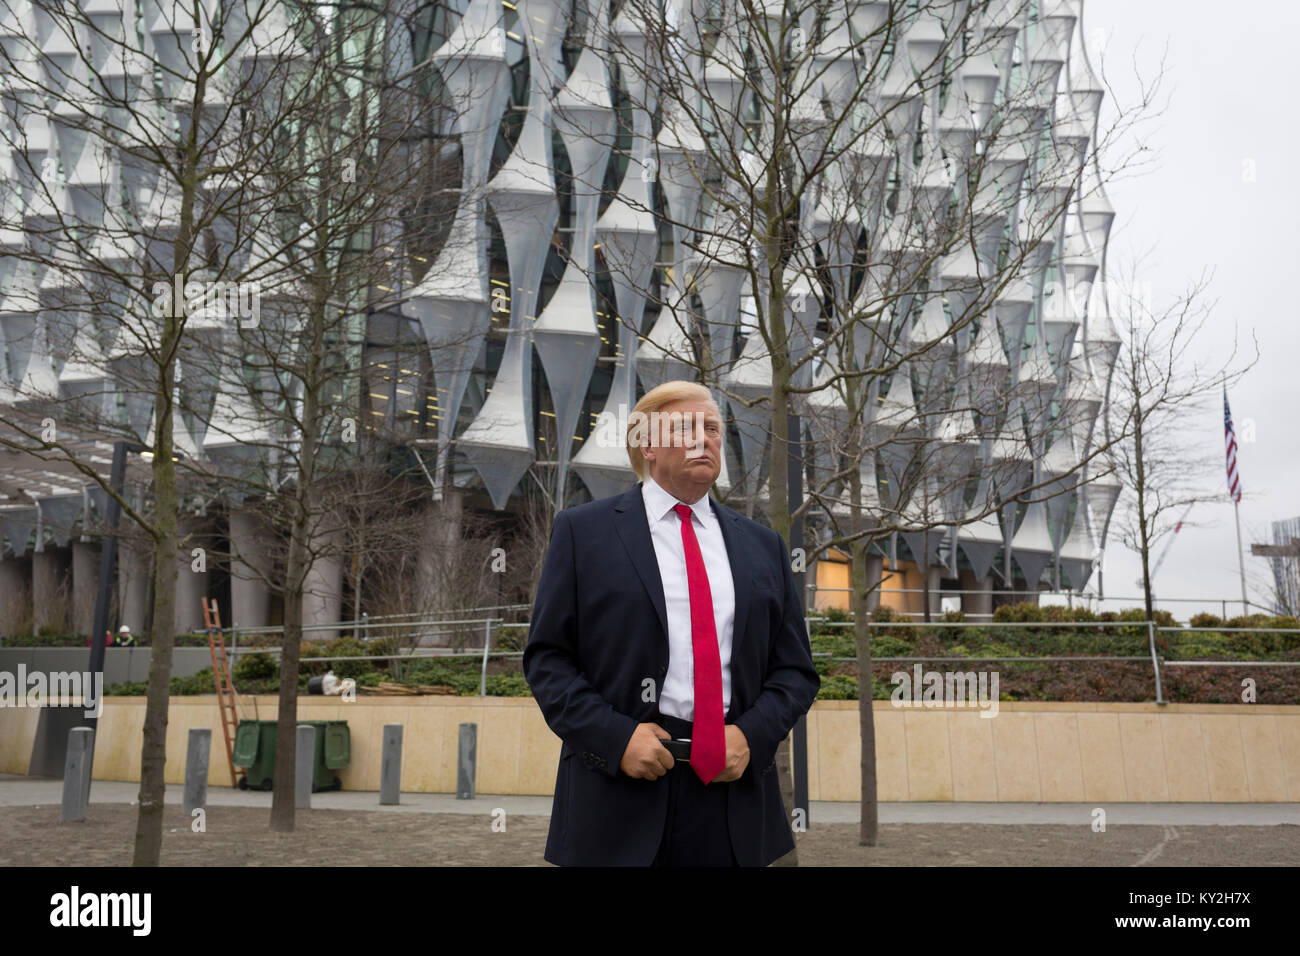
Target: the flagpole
(1234, 492)
(1241, 561)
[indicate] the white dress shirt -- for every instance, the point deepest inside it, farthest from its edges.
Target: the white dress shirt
(677, 696)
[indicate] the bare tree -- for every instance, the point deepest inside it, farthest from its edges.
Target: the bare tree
(860, 207)
(1159, 384)
(204, 235)
(348, 146)
(129, 150)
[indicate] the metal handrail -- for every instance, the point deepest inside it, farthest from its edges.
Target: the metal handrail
(991, 624)
(1008, 660)
(344, 625)
(1085, 598)
(1157, 661)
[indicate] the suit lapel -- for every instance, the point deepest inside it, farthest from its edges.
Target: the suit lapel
(633, 530)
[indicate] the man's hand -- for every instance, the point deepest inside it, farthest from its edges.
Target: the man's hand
(645, 757)
(737, 755)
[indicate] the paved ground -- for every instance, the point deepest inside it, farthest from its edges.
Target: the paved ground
(349, 828)
(17, 791)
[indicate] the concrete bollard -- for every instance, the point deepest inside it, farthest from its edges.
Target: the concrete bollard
(390, 766)
(304, 760)
(196, 770)
(76, 775)
(465, 762)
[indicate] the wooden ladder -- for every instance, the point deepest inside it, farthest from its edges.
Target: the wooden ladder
(221, 677)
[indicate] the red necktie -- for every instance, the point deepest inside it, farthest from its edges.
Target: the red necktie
(708, 746)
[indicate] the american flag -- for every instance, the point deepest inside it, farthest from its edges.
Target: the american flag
(1230, 438)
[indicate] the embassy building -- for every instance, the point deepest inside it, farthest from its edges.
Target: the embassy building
(604, 235)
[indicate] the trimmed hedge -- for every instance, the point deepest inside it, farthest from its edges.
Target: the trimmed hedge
(1029, 680)
(260, 673)
(1075, 680)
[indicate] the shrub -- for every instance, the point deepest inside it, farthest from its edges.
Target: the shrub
(1019, 613)
(306, 651)
(838, 643)
(510, 637)
(384, 645)
(998, 649)
(195, 685)
(838, 687)
(127, 689)
(1162, 618)
(507, 685)
(887, 646)
(348, 647)
(1065, 613)
(461, 675)
(251, 667)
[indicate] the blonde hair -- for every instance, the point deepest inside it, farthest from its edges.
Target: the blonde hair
(654, 401)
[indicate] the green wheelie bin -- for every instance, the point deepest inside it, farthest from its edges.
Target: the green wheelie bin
(254, 751)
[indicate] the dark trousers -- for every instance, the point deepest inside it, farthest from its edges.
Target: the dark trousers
(695, 832)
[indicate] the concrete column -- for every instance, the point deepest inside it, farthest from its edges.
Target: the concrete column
(85, 585)
(133, 573)
(76, 775)
(191, 585)
(436, 564)
(195, 794)
(875, 572)
(977, 607)
(250, 598)
(936, 594)
(304, 763)
(49, 590)
(13, 595)
(466, 762)
(913, 582)
(390, 766)
(428, 576)
(322, 595)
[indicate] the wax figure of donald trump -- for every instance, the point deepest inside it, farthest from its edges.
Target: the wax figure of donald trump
(668, 651)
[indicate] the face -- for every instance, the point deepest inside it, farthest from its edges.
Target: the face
(687, 459)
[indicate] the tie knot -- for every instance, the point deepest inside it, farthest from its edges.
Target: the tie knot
(683, 512)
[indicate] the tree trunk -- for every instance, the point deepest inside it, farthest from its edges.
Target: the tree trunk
(153, 748)
(1139, 491)
(925, 574)
(773, 214)
(282, 796)
(297, 564)
(861, 631)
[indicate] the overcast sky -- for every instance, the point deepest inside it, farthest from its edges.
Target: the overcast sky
(1223, 192)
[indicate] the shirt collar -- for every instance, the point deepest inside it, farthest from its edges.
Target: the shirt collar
(659, 503)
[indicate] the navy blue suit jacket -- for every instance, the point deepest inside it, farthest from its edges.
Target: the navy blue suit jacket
(596, 658)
